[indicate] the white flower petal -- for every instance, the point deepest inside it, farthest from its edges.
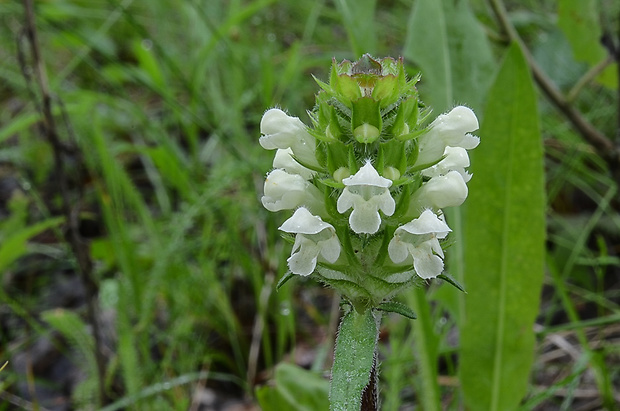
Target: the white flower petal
(427, 223)
(448, 190)
(279, 129)
(419, 238)
(425, 263)
(284, 160)
(397, 250)
(365, 219)
(331, 249)
(284, 191)
(303, 262)
(367, 193)
(367, 176)
(283, 131)
(455, 158)
(314, 237)
(435, 246)
(450, 129)
(345, 201)
(385, 203)
(469, 142)
(459, 120)
(303, 222)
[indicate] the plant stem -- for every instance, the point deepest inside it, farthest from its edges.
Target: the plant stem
(370, 395)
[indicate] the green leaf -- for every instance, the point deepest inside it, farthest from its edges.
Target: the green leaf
(580, 22)
(451, 49)
(149, 64)
(295, 389)
(426, 347)
(504, 248)
(353, 359)
(71, 326)
(163, 386)
(14, 246)
(449, 46)
(398, 308)
(448, 278)
(17, 124)
(284, 279)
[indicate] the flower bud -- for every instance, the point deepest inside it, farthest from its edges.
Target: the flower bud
(366, 133)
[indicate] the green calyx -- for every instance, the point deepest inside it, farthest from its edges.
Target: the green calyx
(368, 278)
(366, 104)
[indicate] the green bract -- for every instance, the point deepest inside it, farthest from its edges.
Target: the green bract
(371, 178)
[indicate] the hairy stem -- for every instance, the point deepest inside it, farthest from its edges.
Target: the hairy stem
(370, 395)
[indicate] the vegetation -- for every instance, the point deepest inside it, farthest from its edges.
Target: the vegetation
(139, 269)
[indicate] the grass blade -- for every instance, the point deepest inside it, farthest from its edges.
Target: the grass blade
(358, 19)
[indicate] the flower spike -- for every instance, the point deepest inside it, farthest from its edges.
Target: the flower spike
(367, 182)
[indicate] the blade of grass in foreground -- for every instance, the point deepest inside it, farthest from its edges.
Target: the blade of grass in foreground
(504, 244)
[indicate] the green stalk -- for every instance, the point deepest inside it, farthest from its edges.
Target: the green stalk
(426, 349)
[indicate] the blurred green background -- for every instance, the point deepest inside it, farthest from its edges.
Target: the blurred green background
(151, 236)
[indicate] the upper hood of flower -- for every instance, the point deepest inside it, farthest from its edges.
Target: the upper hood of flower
(367, 176)
(303, 222)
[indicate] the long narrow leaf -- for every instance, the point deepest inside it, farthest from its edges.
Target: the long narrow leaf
(449, 46)
(358, 18)
(504, 248)
(451, 49)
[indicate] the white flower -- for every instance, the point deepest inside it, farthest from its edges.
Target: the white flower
(420, 239)
(285, 161)
(449, 129)
(367, 192)
(284, 191)
(447, 190)
(456, 158)
(283, 131)
(314, 237)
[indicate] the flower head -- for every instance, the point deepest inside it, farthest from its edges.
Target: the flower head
(314, 237)
(420, 239)
(367, 193)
